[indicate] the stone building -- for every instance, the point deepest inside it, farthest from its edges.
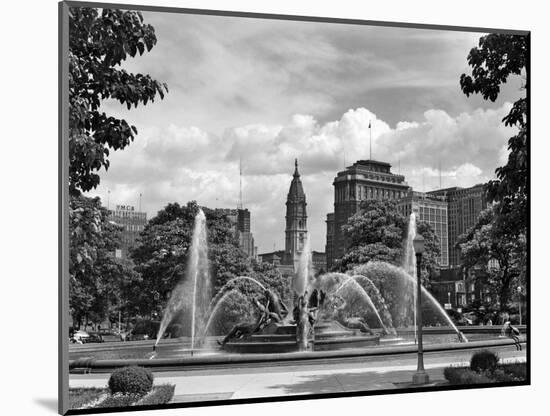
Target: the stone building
(132, 222)
(295, 231)
(365, 179)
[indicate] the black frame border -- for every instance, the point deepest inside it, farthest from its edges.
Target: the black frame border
(63, 199)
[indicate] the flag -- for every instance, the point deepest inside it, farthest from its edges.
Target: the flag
(369, 124)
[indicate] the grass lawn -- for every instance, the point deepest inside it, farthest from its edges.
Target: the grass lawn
(99, 398)
(512, 372)
(79, 397)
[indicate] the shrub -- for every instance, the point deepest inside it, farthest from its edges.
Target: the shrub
(131, 380)
(160, 395)
(484, 361)
(517, 370)
(119, 400)
(502, 376)
(463, 375)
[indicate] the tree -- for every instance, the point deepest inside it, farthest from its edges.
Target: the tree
(487, 248)
(497, 58)
(161, 256)
(99, 42)
(430, 257)
(374, 233)
(92, 241)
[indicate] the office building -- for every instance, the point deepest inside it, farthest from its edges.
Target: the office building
(430, 209)
(132, 222)
(364, 180)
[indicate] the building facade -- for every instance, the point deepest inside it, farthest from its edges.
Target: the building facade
(432, 210)
(295, 231)
(132, 222)
(296, 218)
(464, 207)
(240, 225)
(364, 180)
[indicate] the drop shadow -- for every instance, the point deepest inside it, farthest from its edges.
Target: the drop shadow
(47, 403)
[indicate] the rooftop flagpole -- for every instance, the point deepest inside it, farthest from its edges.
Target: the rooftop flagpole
(370, 141)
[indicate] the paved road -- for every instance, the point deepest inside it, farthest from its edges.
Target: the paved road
(360, 374)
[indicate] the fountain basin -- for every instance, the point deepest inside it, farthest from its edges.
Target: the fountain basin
(281, 338)
(228, 360)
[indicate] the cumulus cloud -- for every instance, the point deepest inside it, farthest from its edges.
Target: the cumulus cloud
(183, 163)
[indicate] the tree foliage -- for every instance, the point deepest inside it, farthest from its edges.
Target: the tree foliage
(430, 257)
(374, 233)
(99, 42)
(99, 284)
(378, 232)
(161, 256)
(488, 248)
(497, 58)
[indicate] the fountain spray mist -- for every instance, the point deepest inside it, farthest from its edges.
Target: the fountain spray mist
(304, 274)
(193, 292)
(199, 273)
(409, 262)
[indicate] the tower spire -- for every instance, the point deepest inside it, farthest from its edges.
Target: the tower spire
(240, 205)
(296, 218)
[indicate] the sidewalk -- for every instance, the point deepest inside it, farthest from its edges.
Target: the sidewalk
(378, 374)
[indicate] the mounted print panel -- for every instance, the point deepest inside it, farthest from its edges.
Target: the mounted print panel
(261, 207)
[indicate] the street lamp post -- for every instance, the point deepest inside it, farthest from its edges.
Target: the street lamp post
(420, 376)
(519, 303)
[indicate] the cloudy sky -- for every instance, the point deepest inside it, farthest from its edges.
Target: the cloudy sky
(271, 91)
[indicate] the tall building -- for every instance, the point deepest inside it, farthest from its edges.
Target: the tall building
(132, 223)
(295, 231)
(464, 207)
(364, 180)
(431, 209)
(330, 237)
(240, 225)
(296, 218)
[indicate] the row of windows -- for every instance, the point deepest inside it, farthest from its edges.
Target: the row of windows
(366, 192)
(390, 179)
(129, 214)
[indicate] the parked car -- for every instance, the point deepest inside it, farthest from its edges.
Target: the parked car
(144, 329)
(471, 318)
(83, 337)
(79, 337)
(110, 335)
(458, 318)
(94, 337)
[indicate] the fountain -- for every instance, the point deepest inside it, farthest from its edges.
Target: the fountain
(193, 292)
(312, 324)
(409, 263)
(303, 330)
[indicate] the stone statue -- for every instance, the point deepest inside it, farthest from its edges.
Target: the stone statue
(275, 306)
(303, 325)
(356, 323)
(244, 329)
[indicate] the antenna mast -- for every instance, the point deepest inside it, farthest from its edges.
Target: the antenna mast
(240, 206)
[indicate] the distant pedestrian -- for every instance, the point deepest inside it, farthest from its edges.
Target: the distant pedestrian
(512, 332)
